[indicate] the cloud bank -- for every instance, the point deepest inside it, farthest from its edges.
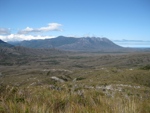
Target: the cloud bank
(4, 31)
(50, 27)
(20, 37)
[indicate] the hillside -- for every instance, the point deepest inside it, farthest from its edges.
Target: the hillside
(4, 44)
(74, 44)
(10, 55)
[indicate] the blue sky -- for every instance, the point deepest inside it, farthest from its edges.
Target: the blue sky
(114, 19)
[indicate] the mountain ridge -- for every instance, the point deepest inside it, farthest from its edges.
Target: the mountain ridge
(73, 44)
(4, 44)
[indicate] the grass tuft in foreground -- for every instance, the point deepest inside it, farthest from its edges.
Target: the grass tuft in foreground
(45, 100)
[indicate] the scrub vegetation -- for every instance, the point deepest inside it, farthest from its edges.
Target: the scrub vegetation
(76, 83)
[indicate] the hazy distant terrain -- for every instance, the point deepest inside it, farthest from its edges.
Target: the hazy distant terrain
(133, 43)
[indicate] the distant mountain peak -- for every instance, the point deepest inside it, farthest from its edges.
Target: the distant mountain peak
(74, 44)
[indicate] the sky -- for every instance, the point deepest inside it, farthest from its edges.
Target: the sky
(40, 19)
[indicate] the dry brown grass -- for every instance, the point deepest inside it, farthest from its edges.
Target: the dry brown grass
(45, 100)
(93, 83)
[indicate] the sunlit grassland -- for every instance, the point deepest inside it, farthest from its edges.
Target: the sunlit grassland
(109, 90)
(46, 100)
(77, 84)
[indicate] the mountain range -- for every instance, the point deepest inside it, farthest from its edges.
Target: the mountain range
(72, 44)
(14, 53)
(56, 46)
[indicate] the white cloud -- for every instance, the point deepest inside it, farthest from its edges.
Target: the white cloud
(26, 34)
(4, 31)
(20, 37)
(50, 27)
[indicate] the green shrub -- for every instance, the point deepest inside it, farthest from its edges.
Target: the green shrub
(147, 67)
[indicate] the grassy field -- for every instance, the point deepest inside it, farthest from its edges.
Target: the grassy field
(76, 83)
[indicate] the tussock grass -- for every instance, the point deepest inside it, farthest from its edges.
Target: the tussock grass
(44, 100)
